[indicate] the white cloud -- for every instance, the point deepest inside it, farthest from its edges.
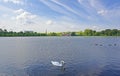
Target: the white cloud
(14, 1)
(102, 12)
(24, 16)
(96, 27)
(19, 11)
(49, 22)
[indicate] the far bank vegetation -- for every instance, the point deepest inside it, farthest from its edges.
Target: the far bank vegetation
(86, 32)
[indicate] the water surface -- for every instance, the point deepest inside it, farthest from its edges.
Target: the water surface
(84, 56)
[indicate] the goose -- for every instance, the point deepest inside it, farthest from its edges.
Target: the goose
(60, 64)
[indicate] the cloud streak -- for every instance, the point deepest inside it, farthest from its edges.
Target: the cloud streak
(68, 8)
(54, 7)
(59, 7)
(96, 8)
(14, 1)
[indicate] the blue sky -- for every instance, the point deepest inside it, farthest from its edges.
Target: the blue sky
(59, 15)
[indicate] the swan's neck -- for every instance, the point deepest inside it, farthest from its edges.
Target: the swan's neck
(62, 62)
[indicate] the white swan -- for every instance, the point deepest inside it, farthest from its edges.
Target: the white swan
(60, 64)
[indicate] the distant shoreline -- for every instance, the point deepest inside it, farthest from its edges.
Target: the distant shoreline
(86, 32)
(59, 36)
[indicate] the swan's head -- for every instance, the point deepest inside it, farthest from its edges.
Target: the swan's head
(62, 62)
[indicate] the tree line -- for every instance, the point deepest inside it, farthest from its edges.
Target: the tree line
(86, 32)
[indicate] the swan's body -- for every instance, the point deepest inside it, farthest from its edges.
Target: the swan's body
(55, 63)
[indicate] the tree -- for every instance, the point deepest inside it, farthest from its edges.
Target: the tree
(52, 34)
(79, 33)
(88, 32)
(114, 32)
(108, 32)
(73, 33)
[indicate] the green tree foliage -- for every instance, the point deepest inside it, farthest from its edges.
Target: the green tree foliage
(86, 32)
(79, 33)
(73, 34)
(89, 32)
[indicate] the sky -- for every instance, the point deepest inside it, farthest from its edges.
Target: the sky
(59, 15)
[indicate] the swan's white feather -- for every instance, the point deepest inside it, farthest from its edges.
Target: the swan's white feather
(55, 63)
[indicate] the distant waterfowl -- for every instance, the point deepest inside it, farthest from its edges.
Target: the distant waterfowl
(96, 44)
(101, 45)
(107, 44)
(60, 64)
(115, 44)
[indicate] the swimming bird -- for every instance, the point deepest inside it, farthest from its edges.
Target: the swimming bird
(60, 64)
(96, 44)
(101, 45)
(115, 44)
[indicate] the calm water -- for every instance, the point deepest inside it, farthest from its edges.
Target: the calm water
(84, 56)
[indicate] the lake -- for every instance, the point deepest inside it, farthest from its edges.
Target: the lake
(84, 56)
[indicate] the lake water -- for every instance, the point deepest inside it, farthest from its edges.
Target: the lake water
(84, 56)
